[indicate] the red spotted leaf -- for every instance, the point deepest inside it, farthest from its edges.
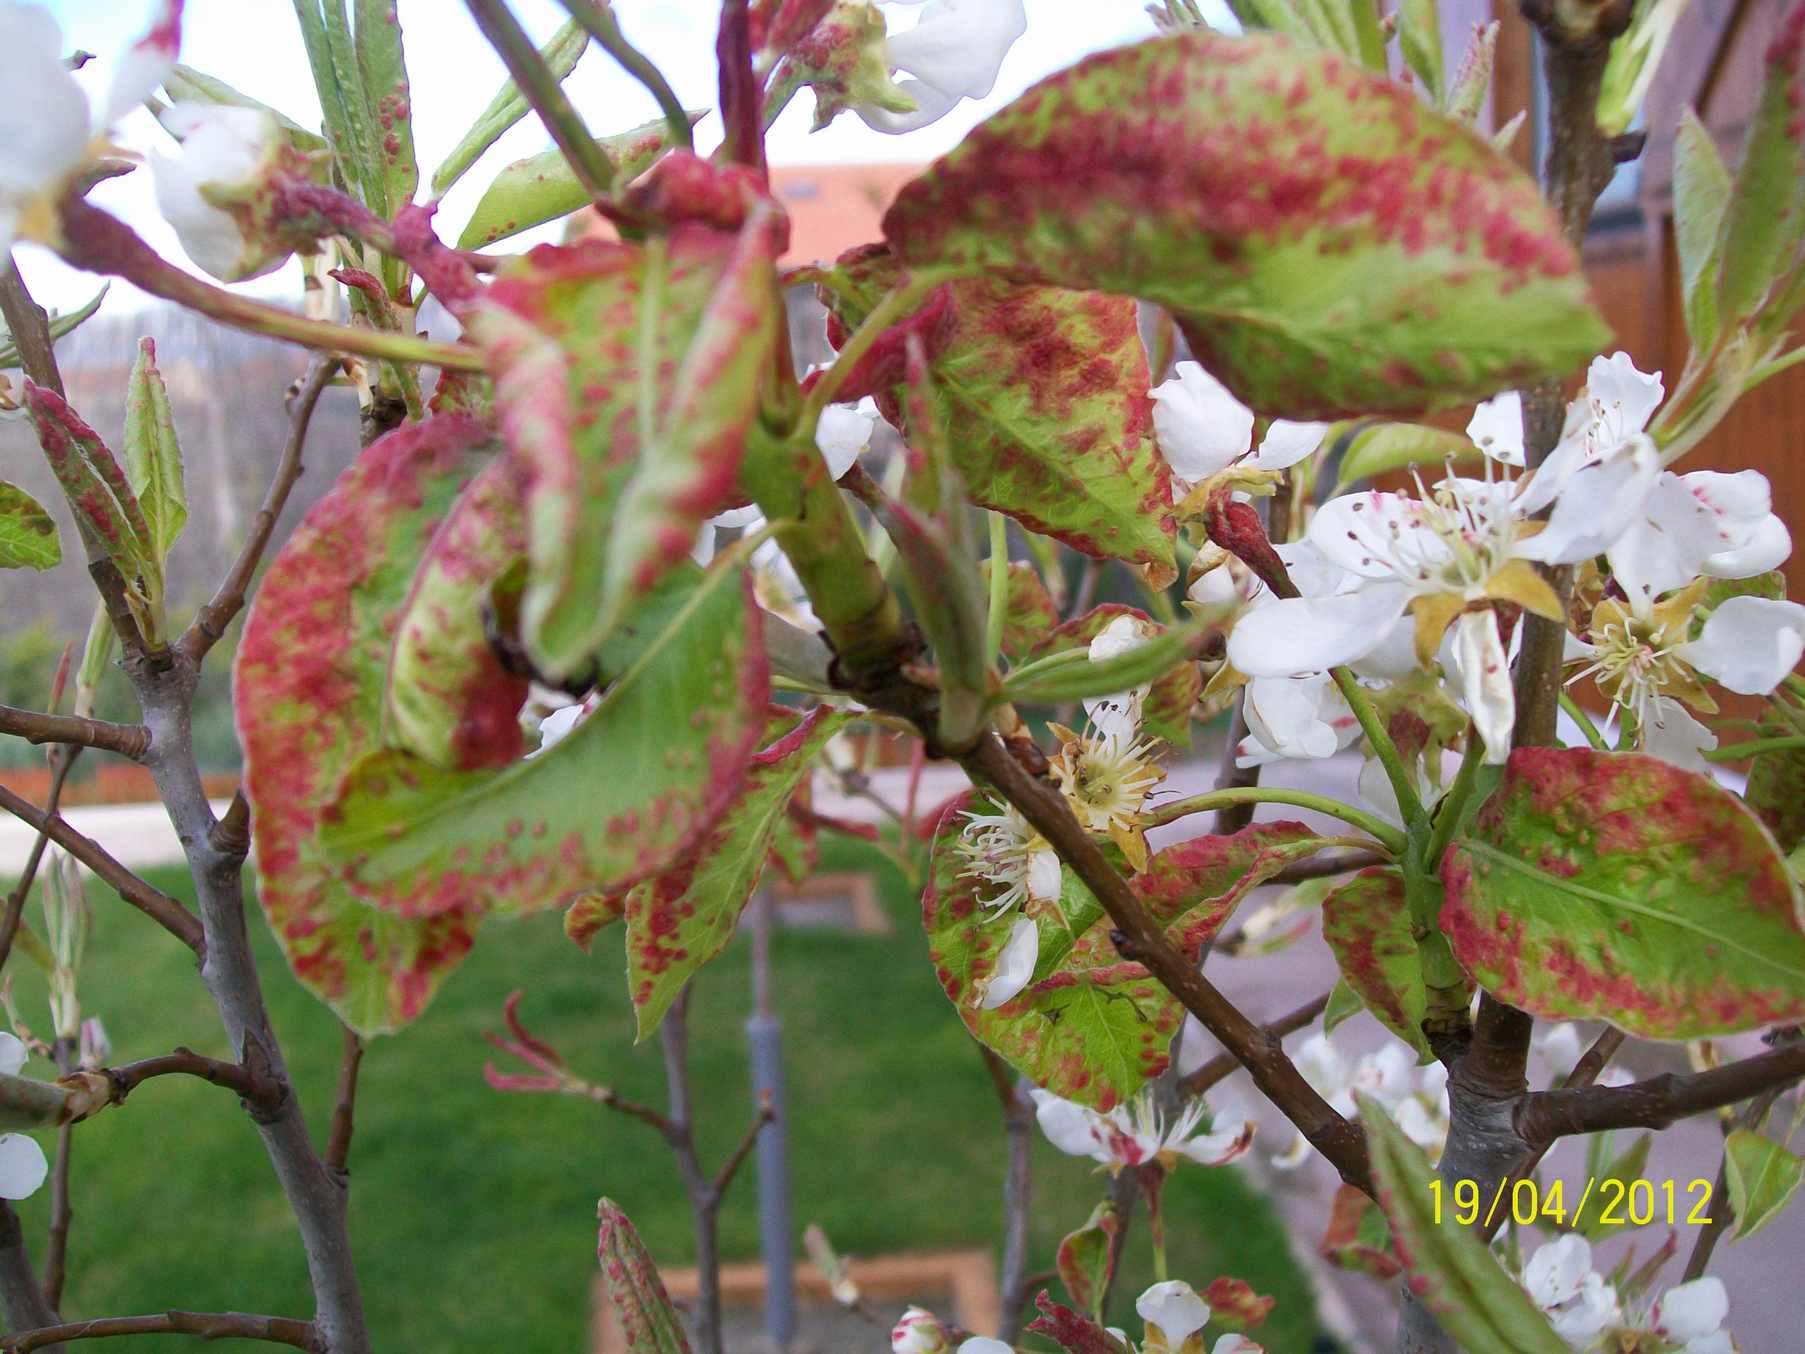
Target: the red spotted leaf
(1072, 1331)
(683, 918)
(589, 914)
(1028, 609)
(1358, 1238)
(637, 783)
(1329, 245)
(1083, 1258)
(648, 1322)
(1042, 395)
(626, 377)
(106, 511)
(309, 696)
(1776, 791)
(1366, 923)
(1235, 1306)
(449, 698)
(1617, 887)
(1166, 713)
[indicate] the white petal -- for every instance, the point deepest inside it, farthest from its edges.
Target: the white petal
(957, 46)
(1298, 716)
(1559, 1047)
(1199, 425)
(1393, 658)
(1421, 1127)
(1601, 500)
(1228, 1138)
(1584, 1318)
(22, 1166)
(1693, 1309)
(12, 1054)
(1485, 684)
(1286, 443)
(224, 148)
(983, 1344)
(930, 106)
(1045, 875)
(843, 434)
(1767, 547)
(1557, 1270)
(748, 516)
(1624, 397)
(1749, 644)
(1717, 1342)
(44, 128)
(1122, 635)
(1014, 966)
(1236, 1344)
(1386, 1074)
(145, 63)
(1070, 1127)
(1376, 534)
(1497, 428)
(1175, 1308)
(1310, 634)
(1323, 1066)
(1676, 737)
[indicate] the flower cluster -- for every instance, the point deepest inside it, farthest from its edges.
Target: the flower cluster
(1172, 1313)
(1587, 1309)
(1416, 1097)
(1138, 1134)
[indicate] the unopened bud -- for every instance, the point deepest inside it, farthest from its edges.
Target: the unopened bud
(846, 60)
(1237, 528)
(96, 1048)
(919, 1332)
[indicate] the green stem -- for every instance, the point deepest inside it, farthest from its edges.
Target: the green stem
(1736, 752)
(1156, 1222)
(1586, 726)
(1453, 806)
(542, 88)
(605, 29)
(999, 588)
(1383, 748)
(1390, 837)
(897, 304)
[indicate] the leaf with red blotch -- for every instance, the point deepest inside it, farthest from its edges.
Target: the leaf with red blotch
(1042, 394)
(1090, 1026)
(648, 1322)
(1614, 886)
(1329, 245)
(105, 509)
(1235, 1306)
(28, 538)
(1358, 1238)
(1072, 1331)
(631, 788)
(1776, 791)
(589, 914)
(626, 376)
(449, 699)
(1083, 1258)
(1366, 923)
(308, 689)
(1166, 713)
(683, 918)
(1451, 1271)
(1028, 612)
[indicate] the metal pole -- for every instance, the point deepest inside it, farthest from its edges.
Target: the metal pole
(764, 1032)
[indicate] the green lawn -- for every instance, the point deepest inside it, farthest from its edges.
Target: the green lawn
(473, 1212)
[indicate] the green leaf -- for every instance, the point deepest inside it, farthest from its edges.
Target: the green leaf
(560, 54)
(1701, 192)
(448, 698)
(382, 70)
(1635, 57)
(1451, 1271)
(1473, 81)
(640, 435)
(1083, 1258)
(1776, 791)
(60, 325)
(1375, 449)
(1366, 923)
(28, 538)
(1626, 1168)
(1765, 216)
(682, 919)
(1166, 713)
(1419, 37)
(628, 791)
(1617, 887)
(1089, 1026)
(544, 187)
(185, 84)
(1763, 1176)
(1042, 394)
(1028, 608)
(308, 688)
(1344, 1003)
(648, 1322)
(1328, 246)
(153, 455)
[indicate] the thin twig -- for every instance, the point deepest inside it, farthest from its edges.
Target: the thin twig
(599, 19)
(1592, 1063)
(30, 329)
(1327, 864)
(1018, 1187)
(211, 620)
(704, 1204)
(278, 1330)
(61, 761)
(128, 740)
(731, 1167)
(19, 1292)
(1224, 1065)
(1658, 1101)
(62, 1217)
(344, 1110)
(248, 1084)
(153, 902)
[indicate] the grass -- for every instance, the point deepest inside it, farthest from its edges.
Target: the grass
(473, 1212)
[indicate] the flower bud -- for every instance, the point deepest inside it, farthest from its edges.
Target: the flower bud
(1237, 528)
(845, 59)
(96, 1048)
(219, 192)
(918, 1332)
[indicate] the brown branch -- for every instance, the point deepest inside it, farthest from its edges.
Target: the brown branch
(231, 835)
(153, 902)
(344, 1111)
(278, 1330)
(128, 740)
(1142, 941)
(1327, 864)
(1224, 1065)
(731, 1167)
(1018, 1192)
(61, 761)
(250, 1085)
(62, 1216)
(1658, 1101)
(1592, 1063)
(30, 329)
(211, 620)
(20, 1295)
(704, 1203)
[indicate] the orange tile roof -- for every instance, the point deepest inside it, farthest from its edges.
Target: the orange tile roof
(833, 207)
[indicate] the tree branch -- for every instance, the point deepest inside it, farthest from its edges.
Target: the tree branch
(254, 1089)
(61, 761)
(211, 620)
(279, 1330)
(155, 904)
(19, 1292)
(731, 1167)
(1224, 1065)
(1143, 942)
(1018, 1191)
(704, 1203)
(30, 329)
(128, 740)
(1658, 1101)
(344, 1112)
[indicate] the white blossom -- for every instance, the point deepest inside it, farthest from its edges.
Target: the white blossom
(1692, 1316)
(843, 434)
(227, 153)
(1174, 1308)
(1136, 1133)
(954, 52)
(1202, 429)
(22, 1162)
(1014, 965)
(1579, 1304)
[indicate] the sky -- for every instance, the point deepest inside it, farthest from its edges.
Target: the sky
(256, 46)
